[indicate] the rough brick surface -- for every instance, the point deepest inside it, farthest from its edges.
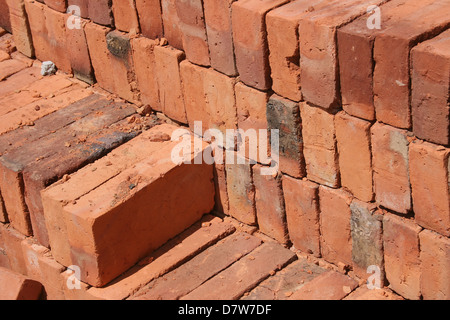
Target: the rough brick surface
(100, 12)
(149, 12)
(250, 42)
(14, 286)
(12, 242)
(5, 21)
(302, 214)
(171, 23)
(20, 27)
(401, 254)
(83, 6)
(429, 168)
(430, 67)
(58, 5)
(355, 163)
(125, 15)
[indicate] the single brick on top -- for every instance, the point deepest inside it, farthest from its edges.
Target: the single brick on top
(149, 12)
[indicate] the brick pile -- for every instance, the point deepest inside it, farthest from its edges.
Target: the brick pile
(363, 114)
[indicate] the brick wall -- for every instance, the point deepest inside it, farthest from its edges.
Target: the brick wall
(364, 113)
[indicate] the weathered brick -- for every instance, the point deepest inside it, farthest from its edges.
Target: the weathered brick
(250, 41)
(335, 230)
(284, 115)
(58, 5)
(365, 294)
(5, 21)
(83, 6)
(367, 239)
(192, 25)
(149, 12)
(20, 27)
(10, 67)
(391, 168)
(220, 35)
(392, 48)
(355, 158)
(12, 240)
(100, 12)
(125, 15)
(401, 254)
(430, 67)
(243, 275)
(169, 82)
(302, 214)
(220, 185)
(429, 168)
(320, 147)
(14, 286)
(269, 202)
(171, 23)
(435, 266)
(4, 260)
(19, 80)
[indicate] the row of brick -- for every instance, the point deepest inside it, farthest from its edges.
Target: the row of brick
(323, 52)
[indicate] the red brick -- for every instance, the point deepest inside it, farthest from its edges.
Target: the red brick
(58, 5)
(401, 254)
(99, 232)
(145, 68)
(329, 285)
(284, 115)
(220, 184)
(10, 67)
(5, 22)
(12, 241)
(220, 35)
(20, 27)
(320, 147)
(356, 43)
(430, 66)
(125, 16)
(249, 34)
(318, 50)
(100, 12)
(170, 256)
(4, 260)
(171, 23)
(199, 269)
(241, 192)
(150, 19)
(14, 286)
(429, 169)
(302, 213)
(391, 168)
(353, 140)
(392, 48)
(78, 52)
(83, 6)
(435, 266)
(269, 202)
(169, 82)
(38, 30)
(243, 275)
(335, 230)
(192, 25)
(365, 294)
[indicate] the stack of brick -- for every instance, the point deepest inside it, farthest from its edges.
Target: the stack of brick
(363, 112)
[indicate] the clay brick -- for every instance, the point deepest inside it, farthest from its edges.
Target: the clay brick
(20, 80)
(392, 48)
(149, 12)
(20, 27)
(401, 254)
(100, 232)
(83, 6)
(10, 67)
(302, 214)
(367, 239)
(4, 260)
(169, 82)
(391, 168)
(284, 115)
(145, 68)
(14, 286)
(220, 184)
(282, 37)
(318, 50)
(220, 35)
(430, 67)
(192, 274)
(5, 22)
(320, 147)
(241, 192)
(100, 12)
(429, 169)
(58, 5)
(329, 285)
(269, 202)
(243, 275)
(4, 56)
(335, 230)
(435, 266)
(171, 23)
(355, 47)
(80, 60)
(175, 252)
(38, 30)
(192, 25)
(250, 41)
(365, 294)
(125, 15)
(12, 242)
(355, 163)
